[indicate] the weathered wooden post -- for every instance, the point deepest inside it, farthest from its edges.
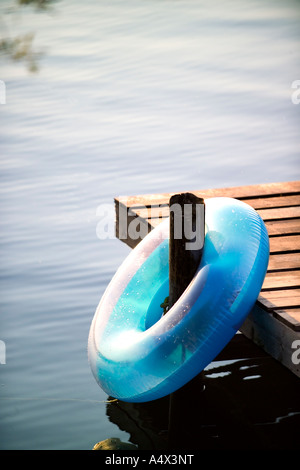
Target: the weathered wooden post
(187, 226)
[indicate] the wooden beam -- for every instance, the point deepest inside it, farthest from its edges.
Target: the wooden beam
(184, 259)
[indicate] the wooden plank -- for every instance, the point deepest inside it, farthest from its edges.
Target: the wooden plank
(280, 262)
(290, 317)
(280, 299)
(253, 191)
(272, 202)
(283, 227)
(285, 244)
(256, 203)
(296, 314)
(162, 211)
(275, 228)
(155, 212)
(281, 280)
(280, 213)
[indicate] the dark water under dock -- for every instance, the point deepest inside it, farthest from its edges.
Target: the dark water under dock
(249, 401)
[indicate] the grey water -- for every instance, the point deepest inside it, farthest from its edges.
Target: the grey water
(118, 98)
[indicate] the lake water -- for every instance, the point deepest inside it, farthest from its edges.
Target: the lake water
(130, 97)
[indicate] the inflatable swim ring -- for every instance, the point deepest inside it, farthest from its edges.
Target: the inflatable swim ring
(138, 355)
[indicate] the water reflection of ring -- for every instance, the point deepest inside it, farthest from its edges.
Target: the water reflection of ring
(138, 355)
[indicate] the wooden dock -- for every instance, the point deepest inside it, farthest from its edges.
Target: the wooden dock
(274, 323)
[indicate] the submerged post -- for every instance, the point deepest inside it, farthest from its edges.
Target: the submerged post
(187, 227)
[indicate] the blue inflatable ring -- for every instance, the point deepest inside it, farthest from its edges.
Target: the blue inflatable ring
(137, 354)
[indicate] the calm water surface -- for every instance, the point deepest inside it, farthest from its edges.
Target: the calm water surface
(129, 97)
